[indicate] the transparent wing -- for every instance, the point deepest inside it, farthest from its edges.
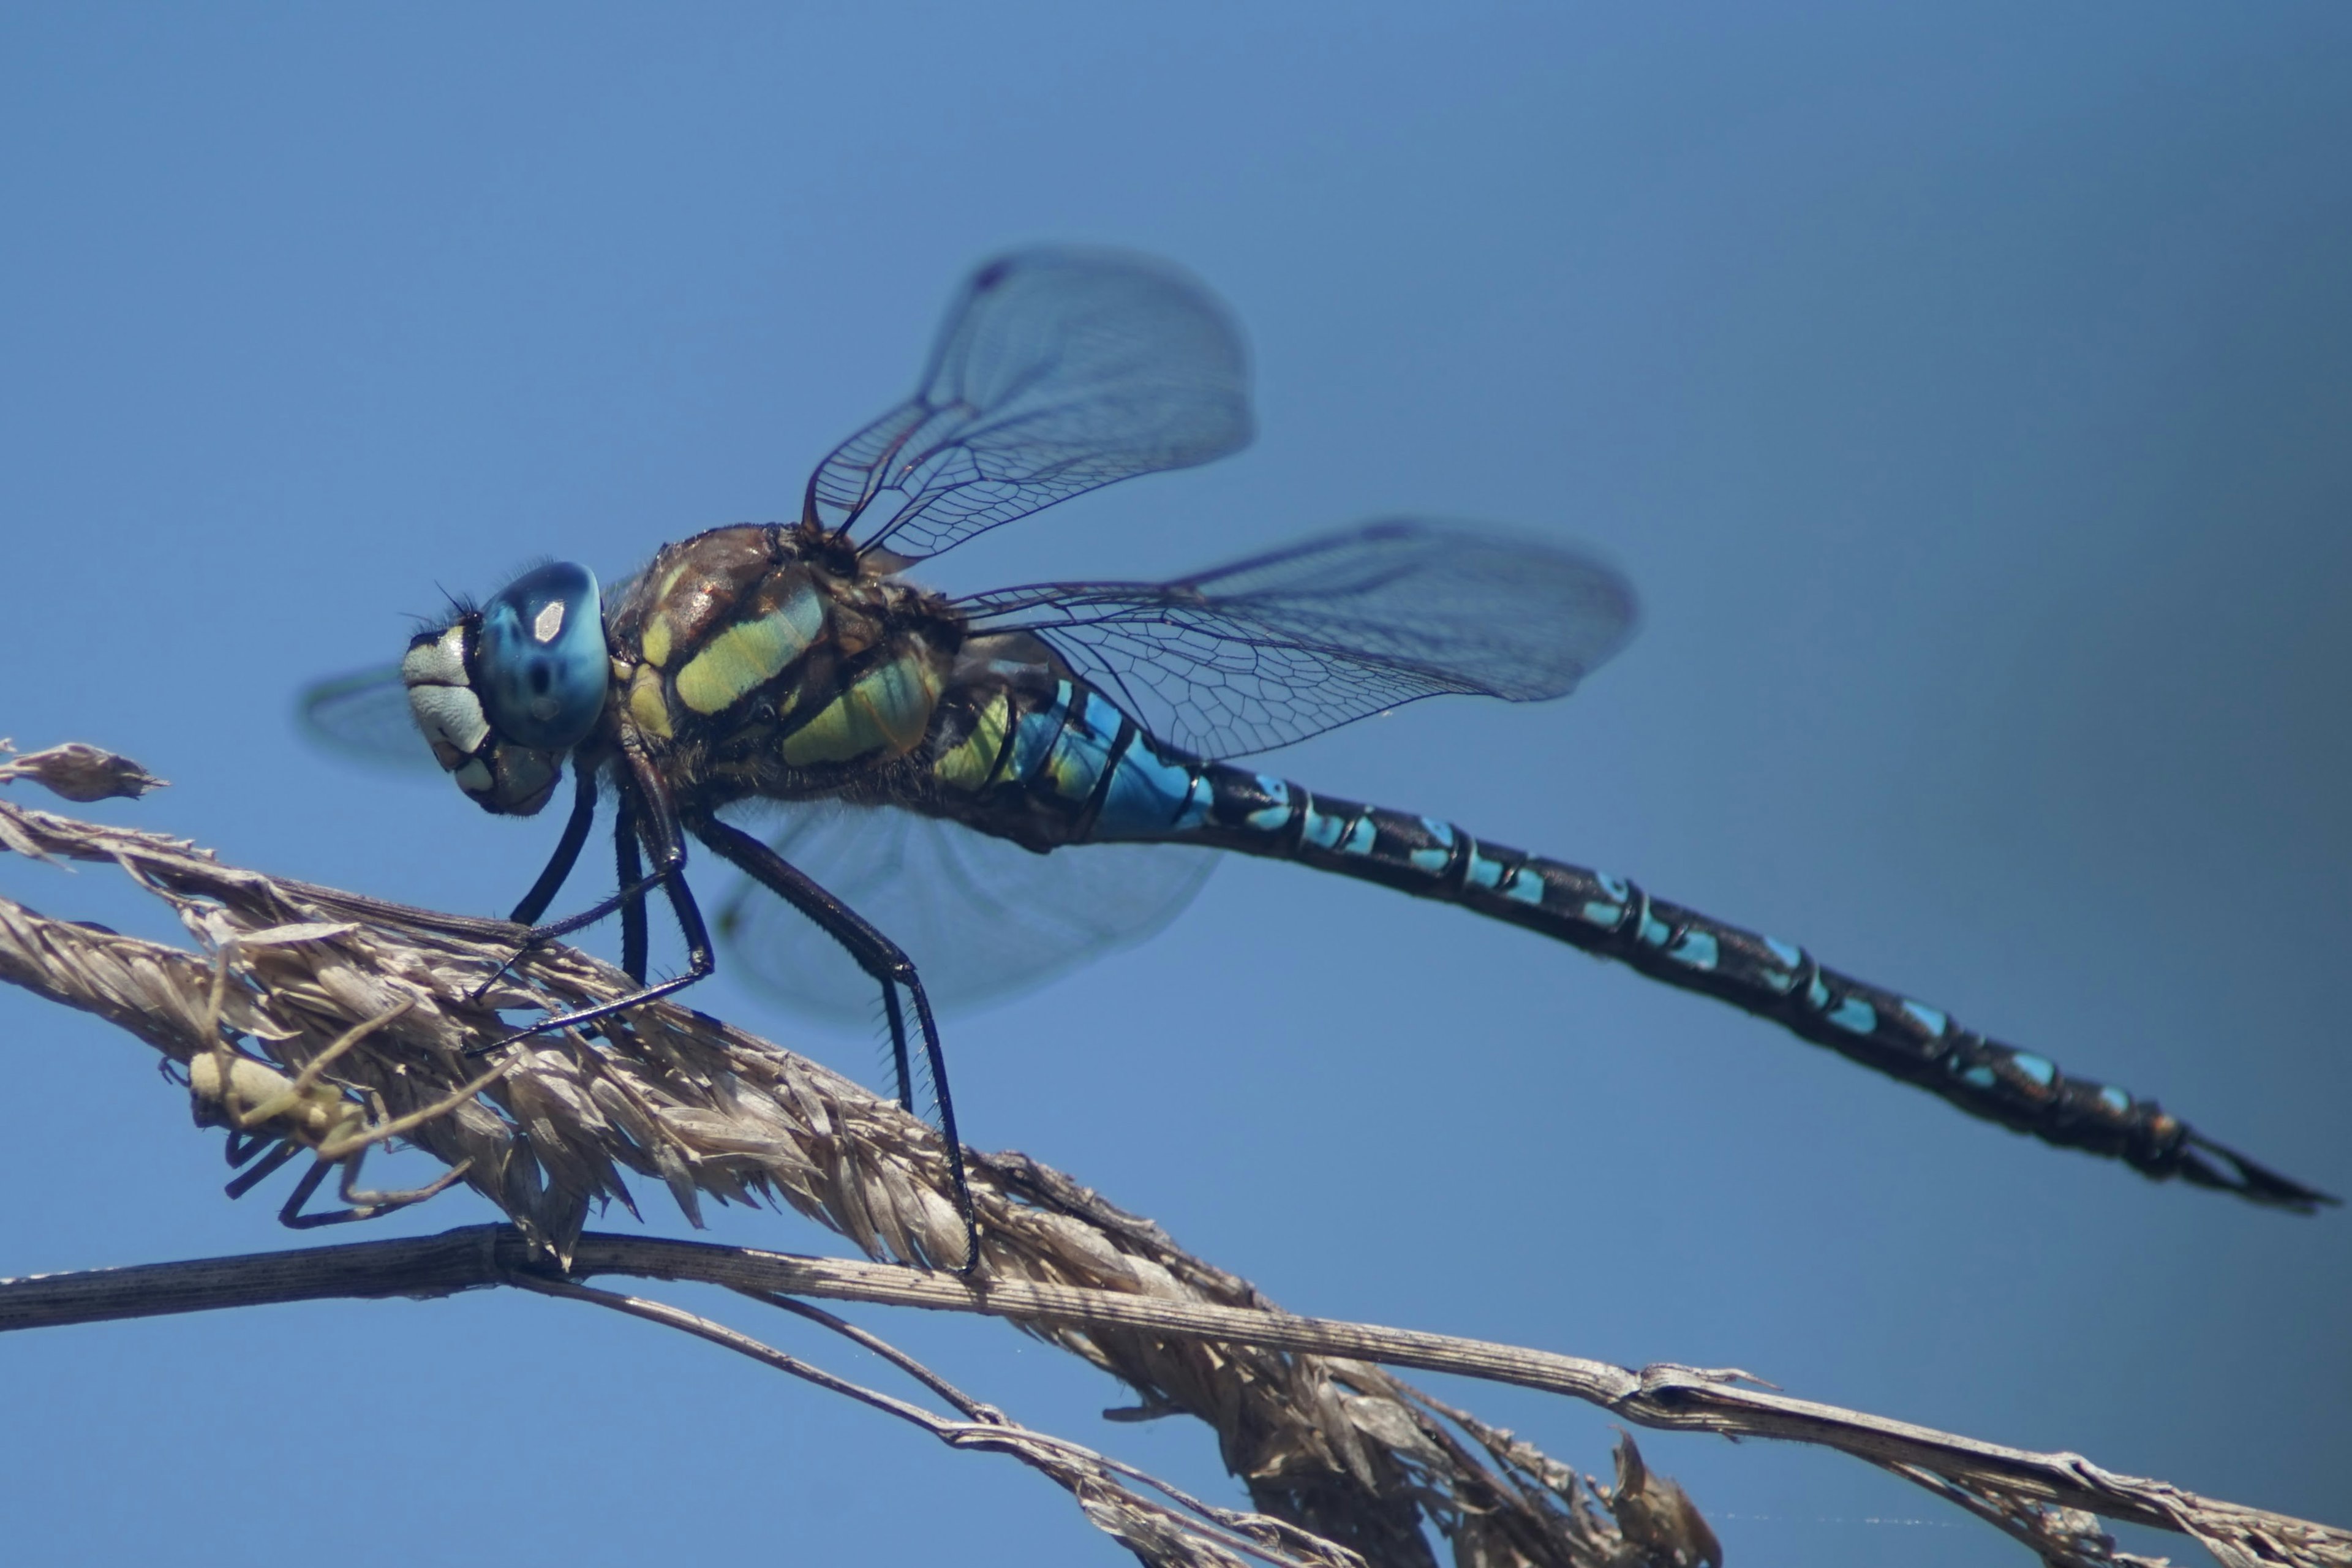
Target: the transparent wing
(981, 918)
(1283, 645)
(1057, 371)
(364, 716)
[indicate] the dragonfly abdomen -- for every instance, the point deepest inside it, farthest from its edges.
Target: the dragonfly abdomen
(1048, 760)
(1083, 771)
(1613, 916)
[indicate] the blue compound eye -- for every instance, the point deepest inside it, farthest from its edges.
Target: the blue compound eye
(541, 660)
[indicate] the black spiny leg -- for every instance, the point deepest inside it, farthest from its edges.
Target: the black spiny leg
(631, 870)
(567, 851)
(879, 957)
(551, 877)
(651, 809)
(899, 1047)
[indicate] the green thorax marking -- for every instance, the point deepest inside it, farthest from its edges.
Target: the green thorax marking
(747, 655)
(887, 709)
(745, 627)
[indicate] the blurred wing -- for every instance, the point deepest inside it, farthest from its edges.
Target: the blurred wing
(365, 717)
(1286, 645)
(1057, 371)
(982, 918)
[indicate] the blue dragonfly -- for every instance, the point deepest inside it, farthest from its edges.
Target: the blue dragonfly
(1010, 783)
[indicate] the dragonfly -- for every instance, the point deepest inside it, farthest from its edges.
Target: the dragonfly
(1018, 780)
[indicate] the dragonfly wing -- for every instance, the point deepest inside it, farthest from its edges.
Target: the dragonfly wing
(1057, 371)
(981, 917)
(1286, 644)
(365, 716)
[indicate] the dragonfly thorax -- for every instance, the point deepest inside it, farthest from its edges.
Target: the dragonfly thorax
(502, 692)
(769, 660)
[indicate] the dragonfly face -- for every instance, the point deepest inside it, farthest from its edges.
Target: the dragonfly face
(502, 693)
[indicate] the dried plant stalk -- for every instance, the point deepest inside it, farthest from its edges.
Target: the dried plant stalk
(1321, 1436)
(1180, 1533)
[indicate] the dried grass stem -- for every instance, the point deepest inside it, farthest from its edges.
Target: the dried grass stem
(339, 994)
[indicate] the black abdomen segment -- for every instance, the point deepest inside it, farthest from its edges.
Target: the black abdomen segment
(1612, 916)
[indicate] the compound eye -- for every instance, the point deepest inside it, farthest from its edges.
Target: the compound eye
(541, 658)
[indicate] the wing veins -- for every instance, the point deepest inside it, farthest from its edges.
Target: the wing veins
(1329, 630)
(1056, 372)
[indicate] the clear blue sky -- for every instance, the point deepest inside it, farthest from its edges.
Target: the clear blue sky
(1965, 391)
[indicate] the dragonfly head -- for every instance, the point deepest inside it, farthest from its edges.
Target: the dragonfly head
(503, 692)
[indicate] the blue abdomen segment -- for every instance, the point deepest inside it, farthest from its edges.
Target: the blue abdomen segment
(1075, 769)
(1052, 761)
(1132, 790)
(1612, 916)
(1150, 797)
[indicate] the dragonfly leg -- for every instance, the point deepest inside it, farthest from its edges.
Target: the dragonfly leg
(899, 1047)
(631, 869)
(699, 964)
(879, 957)
(567, 852)
(631, 895)
(665, 871)
(551, 877)
(653, 809)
